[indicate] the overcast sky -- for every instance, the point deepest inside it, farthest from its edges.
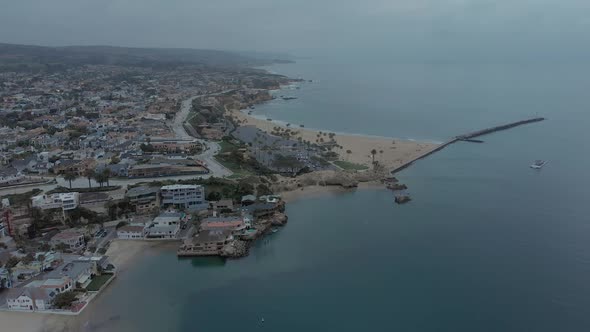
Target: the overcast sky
(444, 28)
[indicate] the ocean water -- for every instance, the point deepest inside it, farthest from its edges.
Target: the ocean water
(487, 244)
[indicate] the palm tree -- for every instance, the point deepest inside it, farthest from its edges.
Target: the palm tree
(106, 173)
(373, 153)
(89, 174)
(99, 177)
(70, 176)
(348, 152)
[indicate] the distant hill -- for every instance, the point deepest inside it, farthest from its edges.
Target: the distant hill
(28, 57)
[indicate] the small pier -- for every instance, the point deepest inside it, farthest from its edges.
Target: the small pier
(470, 137)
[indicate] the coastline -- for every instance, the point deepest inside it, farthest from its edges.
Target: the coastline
(314, 191)
(122, 253)
(391, 153)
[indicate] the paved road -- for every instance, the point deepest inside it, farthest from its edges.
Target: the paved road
(207, 156)
(211, 148)
(102, 241)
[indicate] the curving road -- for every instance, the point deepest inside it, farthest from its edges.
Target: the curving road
(207, 156)
(211, 147)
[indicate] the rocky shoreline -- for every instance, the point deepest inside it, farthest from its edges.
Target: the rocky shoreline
(241, 248)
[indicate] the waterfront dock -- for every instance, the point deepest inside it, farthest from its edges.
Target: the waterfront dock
(469, 137)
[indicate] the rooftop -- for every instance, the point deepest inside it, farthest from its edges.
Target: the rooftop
(72, 270)
(211, 236)
(181, 186)
(143, 190)
(66, 235)
(248, 198)
(131, 229)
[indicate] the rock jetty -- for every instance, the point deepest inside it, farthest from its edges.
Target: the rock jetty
(396, 186)
(402, 199)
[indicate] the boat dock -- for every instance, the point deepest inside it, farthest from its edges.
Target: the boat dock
(469, 137)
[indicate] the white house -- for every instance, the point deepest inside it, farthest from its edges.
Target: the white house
(184, 196)
(64, 201)
(165, 226)
(29, 299)
(132, 232)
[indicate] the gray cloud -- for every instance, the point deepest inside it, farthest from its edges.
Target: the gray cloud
(437, 29)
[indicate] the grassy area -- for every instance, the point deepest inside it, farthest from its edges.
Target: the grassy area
(237, 169)
(350, 166)
(98, 281)
(227, 147)
(231, 160)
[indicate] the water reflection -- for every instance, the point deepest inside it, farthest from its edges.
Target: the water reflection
(205, 262)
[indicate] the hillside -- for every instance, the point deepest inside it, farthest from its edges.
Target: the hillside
(26, 57)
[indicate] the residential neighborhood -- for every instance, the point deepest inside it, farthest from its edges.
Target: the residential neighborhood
(98, 155)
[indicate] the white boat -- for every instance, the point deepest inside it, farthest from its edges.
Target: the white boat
(538, 164)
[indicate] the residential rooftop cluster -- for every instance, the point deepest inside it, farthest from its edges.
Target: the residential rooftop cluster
(85, 119)
(90, 154)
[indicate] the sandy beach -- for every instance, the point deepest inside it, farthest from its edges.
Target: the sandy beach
(121, 254)
(290, 196)
(391, 153)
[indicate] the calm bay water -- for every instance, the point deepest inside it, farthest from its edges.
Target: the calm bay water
(487, 244)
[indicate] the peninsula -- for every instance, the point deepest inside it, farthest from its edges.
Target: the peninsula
(101, 160)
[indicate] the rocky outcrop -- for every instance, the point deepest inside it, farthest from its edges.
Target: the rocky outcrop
(402, 199)
(279, 219)
(250, 236)
(396, 186)
(391, 179)
(342, 180)
(281, 206)
(236, 249)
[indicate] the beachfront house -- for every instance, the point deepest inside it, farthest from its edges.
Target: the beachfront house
(165, 226)
(261, 210)
(29, 299)
(206, 243)
(132, 232)
(234, 224)
(145, 199)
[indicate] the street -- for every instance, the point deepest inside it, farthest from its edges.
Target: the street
(211, 148)
(207, 156)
